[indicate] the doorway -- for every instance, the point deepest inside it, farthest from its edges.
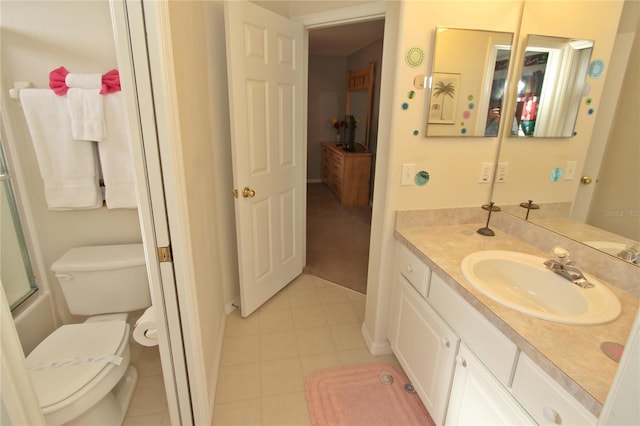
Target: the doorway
(338, 236)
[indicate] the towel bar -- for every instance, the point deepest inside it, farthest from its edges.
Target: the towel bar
(17, 86)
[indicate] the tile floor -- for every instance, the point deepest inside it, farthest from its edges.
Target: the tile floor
(310, 325)
(149, 403)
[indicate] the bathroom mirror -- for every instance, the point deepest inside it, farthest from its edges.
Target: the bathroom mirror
(467, 87)
(551, 86)
(603, 210)
(358, 101)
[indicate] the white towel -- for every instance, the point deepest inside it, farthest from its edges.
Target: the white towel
(83, 81)
(87, 114)
(115, 156)
(68, 167)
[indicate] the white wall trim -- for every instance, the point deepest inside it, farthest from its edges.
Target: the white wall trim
(19, 400)
(232, 306)
(346, 15)
(375, 348)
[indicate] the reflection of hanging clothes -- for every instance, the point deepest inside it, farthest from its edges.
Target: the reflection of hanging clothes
(530, 108)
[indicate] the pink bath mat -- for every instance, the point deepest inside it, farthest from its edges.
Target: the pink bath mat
(367, 395)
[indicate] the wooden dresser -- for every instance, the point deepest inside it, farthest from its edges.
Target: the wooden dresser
(347, 173)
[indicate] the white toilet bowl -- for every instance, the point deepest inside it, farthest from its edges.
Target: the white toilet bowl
(82, 375)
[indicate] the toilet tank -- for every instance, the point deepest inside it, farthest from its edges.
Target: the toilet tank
(103, 279)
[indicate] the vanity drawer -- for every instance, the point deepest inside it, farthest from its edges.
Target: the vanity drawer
(495, 350)
(413, 269)
(544, 399)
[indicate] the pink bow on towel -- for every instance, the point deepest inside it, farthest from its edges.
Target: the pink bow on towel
(57, 81)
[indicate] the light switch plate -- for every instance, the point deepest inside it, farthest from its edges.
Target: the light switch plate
(570, 170)
(408, 172)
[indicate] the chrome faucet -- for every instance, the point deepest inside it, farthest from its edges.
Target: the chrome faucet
(631, 252)
(562, 265)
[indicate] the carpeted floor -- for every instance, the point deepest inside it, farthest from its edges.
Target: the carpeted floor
(337, 239)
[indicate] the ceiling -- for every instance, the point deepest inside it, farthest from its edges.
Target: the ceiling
(343, 40)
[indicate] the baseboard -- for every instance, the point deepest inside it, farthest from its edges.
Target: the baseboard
(375, 348)
(231, 306)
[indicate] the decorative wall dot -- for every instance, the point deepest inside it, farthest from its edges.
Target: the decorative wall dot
(556, 174)
(420, 81)
(411, 94)
(470, 97)
(405, 106)
(463, 130)
(471, 105)
(591, 111)
(588, 101)
(416, 133)
(466, 114)
(575, 133)
(422, 178)
(414, 56)
(596, 68)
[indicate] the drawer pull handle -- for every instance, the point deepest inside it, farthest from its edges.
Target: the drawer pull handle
(461, 361)
(445, 342)
(552, 415)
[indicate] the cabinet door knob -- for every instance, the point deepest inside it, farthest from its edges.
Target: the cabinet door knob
(552, 415)
(445, 341)
(461, 361)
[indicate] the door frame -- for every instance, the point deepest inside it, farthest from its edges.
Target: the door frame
(131, 22)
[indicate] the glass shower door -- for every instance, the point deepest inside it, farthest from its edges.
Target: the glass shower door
(16, 273)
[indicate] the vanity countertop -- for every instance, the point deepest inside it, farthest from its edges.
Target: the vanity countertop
(570, 354)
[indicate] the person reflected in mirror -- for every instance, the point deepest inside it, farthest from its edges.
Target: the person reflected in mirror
(493, 122)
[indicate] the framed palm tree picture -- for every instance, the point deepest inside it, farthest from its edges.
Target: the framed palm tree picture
(444, 98)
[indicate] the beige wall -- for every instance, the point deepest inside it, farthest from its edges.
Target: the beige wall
(38, 37)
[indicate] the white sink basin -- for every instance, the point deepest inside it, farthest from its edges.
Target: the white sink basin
(522, 282)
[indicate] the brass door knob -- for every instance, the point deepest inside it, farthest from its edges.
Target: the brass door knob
(585, 180)
(248, 192)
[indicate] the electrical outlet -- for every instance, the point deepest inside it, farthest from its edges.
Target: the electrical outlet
(570, 170)
(408, 172)
(502, 172)
(486, 170)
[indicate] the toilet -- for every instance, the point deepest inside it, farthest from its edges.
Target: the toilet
(81, 372)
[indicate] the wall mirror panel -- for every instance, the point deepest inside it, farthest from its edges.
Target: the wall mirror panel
(358, 105)
(467, 90)
(551, 86)
(585, 178)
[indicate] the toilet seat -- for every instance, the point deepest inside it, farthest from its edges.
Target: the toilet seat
(78, 364)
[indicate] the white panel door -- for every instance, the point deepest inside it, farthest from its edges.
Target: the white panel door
(266, 75)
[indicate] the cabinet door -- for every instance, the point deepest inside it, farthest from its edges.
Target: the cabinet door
(478, 398)
(425, 346)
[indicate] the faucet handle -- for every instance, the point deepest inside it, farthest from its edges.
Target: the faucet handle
(562, 255)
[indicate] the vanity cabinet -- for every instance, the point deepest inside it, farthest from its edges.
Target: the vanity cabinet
(346, 174)
(478, 398)
(465, 370)
(544, 399)
(425, 347)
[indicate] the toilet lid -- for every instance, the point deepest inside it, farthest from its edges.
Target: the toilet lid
(72, 356)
